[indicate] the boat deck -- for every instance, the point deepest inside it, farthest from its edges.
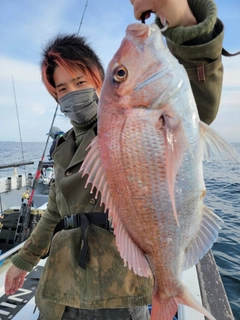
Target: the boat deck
(203, 281)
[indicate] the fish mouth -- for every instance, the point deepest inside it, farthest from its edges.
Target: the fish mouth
(138, 31)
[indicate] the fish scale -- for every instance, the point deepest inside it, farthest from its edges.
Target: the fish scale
(147, 161)
(139, 162)
(130, 160)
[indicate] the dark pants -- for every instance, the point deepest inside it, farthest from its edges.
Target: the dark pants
(135, 313)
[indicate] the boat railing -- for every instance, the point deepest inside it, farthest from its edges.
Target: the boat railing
(15, 165)
(8, 253)
(15, 181)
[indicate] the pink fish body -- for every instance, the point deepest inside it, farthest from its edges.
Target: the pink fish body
(147, 164)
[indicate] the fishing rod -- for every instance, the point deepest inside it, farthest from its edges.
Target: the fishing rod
(24, 216)
(25, 212)
(1, 207)
(40, 164)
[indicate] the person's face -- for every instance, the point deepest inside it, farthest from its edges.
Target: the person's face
(66, 82)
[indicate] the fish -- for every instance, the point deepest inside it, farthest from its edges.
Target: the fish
(147, 164)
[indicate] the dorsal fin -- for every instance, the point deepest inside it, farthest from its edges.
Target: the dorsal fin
(129, 251)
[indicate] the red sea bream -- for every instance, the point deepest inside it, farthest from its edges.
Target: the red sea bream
(147, 163)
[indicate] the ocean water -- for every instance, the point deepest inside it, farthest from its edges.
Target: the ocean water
(222, 180)
(11, 152)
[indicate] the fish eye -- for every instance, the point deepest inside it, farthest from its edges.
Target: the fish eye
(120, 74)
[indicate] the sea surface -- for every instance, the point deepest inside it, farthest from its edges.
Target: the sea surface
(14, 152)
(222, 179)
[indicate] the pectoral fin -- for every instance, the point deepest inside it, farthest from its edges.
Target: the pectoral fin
(176, 144)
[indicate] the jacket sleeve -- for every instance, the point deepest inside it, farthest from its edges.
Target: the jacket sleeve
(199, 48)
(39, 240)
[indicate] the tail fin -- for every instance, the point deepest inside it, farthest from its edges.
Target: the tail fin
(166, 309)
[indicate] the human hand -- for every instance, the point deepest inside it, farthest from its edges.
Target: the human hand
(14, 279)
(175, 12)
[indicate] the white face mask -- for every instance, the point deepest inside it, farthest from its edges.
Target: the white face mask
(80, 106)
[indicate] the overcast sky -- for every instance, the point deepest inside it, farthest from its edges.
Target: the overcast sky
(26, 25)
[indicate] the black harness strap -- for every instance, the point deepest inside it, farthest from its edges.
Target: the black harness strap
(83, 220)
(85, 223)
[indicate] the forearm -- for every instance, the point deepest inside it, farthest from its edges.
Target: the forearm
(38, 243)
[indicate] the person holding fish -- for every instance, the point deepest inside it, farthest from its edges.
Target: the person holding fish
(84, 276)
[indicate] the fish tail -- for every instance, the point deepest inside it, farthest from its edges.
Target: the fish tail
(163, 309)
(166, 309)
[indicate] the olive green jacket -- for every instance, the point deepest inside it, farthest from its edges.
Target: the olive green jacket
(106, 282)
(203, 64)
(199, 49)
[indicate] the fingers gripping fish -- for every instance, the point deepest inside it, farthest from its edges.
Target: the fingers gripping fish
(147, 163)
